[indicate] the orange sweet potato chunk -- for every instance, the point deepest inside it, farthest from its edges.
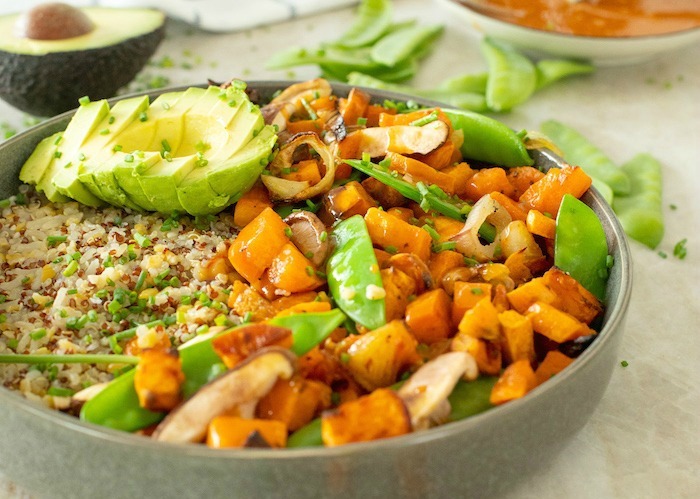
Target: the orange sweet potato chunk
(517, 379)
(158, 379)
(232, 431)
(554, 363)
(381, 414)
(429, 316)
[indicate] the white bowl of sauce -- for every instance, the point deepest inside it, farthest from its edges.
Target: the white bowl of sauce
(606, 32)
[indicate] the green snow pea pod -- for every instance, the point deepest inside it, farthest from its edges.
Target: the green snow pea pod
(402, 44)
(308, 330)
(552, 70)
(351, 269)
(117, 406)
(580, 247)
(640, 212)
(512, 76)
(340, 59)
(489, 140)
(372, 21)
(471, 397)
(466, 83)
(579, 151)
(308, 435)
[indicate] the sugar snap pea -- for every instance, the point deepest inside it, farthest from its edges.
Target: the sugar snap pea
(512, 76)
(308, 435)
(308, 330)
(470, 398)
(552, 70)
(580, 246)
(353, 271)
(472, 82)
(579, 151)
(640, 211)
(372, 21)
(489, 140)
(400, 45)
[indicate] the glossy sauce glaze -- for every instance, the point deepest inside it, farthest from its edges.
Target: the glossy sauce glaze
(600, 18)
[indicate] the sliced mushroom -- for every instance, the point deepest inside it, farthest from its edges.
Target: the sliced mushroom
(292, 190)
(307, 235)
(486, 209)
(236, 389)
(425, 392)
(413, 266)
(402, 139)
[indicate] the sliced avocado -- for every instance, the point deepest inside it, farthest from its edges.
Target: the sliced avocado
(61, 176)
(110, 189)
(160, 181)
(126, 175)
(47, 77)
(139, 135)
(207, 190)
(170, 125)
(39, 161)
(239, 173)
(99, 148)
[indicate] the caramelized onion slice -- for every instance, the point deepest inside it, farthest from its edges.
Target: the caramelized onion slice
(485, 209)
(293, 190)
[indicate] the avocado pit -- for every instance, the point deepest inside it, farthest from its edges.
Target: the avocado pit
(53, 21)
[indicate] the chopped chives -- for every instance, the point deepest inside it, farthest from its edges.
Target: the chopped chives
(56, 391)
(54, 240)
(425, 119)
(67, 359)
(142, 240)
(140, 281)
(38, 334)
(71, 269)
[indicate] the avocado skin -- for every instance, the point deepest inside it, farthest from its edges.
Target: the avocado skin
(51, 84)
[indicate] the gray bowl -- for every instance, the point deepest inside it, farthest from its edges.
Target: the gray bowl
(55, 455)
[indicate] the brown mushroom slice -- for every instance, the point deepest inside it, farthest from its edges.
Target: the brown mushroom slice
(292, 190)
(290, 101)
(402, 139)
(425, 392)
(486, 209)
(308, 235)
(236, 389)
(410, 264)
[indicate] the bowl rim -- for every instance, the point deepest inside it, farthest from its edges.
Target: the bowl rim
(571, 36)
(612, 327)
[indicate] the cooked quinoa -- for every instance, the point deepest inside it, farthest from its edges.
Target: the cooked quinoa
(72, 276)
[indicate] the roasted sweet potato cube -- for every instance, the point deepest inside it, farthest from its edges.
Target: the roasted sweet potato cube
(572, 298)
(236, 345)
(158, 379)
(244, 300)
(532, 291)
(517, 379)
(546, 194)
(486, 181)
(251, 204)
(257, 244)
(398, 286)
(292, 272)
(487, 354)
(294, 401)
(429, 316)
(481, 322)
(386, 230)
(348, 200)
(554, 324)
(381, 414)
(386, 196)
(377, 357)
(553, 363)
(521, 178)
(466, 295)
(540, 224)
(518, 337)
(440, 263)
(233, 431)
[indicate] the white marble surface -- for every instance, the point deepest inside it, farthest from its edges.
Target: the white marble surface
(643, 441)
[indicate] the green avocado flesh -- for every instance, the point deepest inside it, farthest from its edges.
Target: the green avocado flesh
(47, 77)
(195, 151)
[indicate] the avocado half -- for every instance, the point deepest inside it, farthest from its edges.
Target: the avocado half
(47, 77)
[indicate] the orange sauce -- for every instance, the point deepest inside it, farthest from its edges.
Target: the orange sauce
(605, 18)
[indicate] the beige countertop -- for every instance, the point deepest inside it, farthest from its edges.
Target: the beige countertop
(644, 438)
